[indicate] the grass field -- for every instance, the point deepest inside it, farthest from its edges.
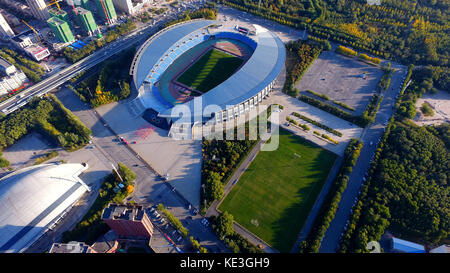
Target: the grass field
(275, 194)
(213, 68)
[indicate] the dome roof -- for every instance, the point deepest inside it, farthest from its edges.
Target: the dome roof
(32, 199)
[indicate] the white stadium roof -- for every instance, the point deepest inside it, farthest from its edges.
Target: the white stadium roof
(261, 69)
(33, 198)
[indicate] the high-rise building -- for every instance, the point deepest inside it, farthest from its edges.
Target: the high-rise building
(38, 9)
(86, 20)
(61, 29)
(128, 221)
(130, 6)
(79, 3)
(5, 29)
(106, 10)
(61, 14)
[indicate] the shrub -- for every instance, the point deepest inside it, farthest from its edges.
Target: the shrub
(174, 221)
(427, 110)
(366, 57)
(346, 51)
(318, 124)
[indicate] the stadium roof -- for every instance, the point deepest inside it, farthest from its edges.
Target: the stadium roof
(33, 198)
(259, 71)
(155, 47)
(264, 65)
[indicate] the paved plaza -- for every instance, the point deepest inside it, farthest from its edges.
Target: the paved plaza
(339, 77)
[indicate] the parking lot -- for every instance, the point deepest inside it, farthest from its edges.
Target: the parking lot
(340, 78)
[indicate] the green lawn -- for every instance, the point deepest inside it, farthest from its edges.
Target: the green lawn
(275, 194)
(213, 68)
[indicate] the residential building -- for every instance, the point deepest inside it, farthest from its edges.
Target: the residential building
(61, 29)
(87, 20)
(131, 6)
(106, 11)
(38, 9)
(61, 14)
(5, 29)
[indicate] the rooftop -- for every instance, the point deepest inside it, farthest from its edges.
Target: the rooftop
(5, 63)
(123, 212)
(406, 246)
(82, 11)
(56, 21)
(106, 243)
(72, 247)
(32, 199)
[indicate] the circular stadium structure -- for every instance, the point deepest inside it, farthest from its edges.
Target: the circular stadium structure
(33, 199)
(213, 72)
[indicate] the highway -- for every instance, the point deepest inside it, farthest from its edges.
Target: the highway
(133, 38)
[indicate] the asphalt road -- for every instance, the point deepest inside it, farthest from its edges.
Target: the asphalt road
(372, 133)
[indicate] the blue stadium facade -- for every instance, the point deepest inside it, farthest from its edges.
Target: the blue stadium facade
(245, 89)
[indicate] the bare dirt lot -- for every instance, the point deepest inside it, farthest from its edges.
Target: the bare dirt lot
(440, 103)
(25, 151)
(339, 78)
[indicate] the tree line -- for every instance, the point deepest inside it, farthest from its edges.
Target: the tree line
(107, 82)
(416, 34)
(407, 191)
(48, 116)
(299, 56)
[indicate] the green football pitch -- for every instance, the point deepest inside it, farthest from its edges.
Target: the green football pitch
(274, 195)
(213, 68)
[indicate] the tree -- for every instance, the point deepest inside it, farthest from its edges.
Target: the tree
(214, 186)
(225, 224)
(126, 173)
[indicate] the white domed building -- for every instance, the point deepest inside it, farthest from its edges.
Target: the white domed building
(33, 199)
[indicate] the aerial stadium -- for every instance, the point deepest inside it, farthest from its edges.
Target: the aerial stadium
(218, 73)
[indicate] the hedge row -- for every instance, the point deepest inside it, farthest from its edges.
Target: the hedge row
(346, 51)
(343, 105)
(174, 221)
(197, 245)
(367, 58)
(327, 137)
(318, 124)
(303, 126)
(358, 120)
(323, 96)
